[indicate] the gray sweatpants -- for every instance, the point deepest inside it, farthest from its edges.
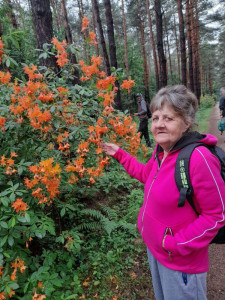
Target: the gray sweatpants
(174, 285)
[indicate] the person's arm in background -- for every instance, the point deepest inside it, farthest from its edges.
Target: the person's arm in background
(143, 109)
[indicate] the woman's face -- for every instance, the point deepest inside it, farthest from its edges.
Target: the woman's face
(167, 127)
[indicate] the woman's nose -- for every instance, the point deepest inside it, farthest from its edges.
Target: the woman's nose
(160, 123)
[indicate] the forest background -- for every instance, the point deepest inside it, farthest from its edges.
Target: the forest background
(69, 74)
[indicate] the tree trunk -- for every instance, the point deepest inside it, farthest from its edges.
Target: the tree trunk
(112, 47)
(168, 47)
(101, 38)
(177, 48)
(125, 40)
(11, 14)
(189, 38)
(162, 59)
(182, 43)
(69, 39)
(42, 18)
(56, 14)
(198, 71)
(85, 33)
(153, 46)
(146, 75)
(94, 27)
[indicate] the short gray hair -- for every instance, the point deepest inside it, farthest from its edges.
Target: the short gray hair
(222, 89)
(182, 100)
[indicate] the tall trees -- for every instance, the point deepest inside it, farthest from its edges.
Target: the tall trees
(42, 18)
(69, 41)
(153, 46)
(159, 30)
(125, 40)
(112, 46)
(146, 71)
(101, 37)
(182, 43)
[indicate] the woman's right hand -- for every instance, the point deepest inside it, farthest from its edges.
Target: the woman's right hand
(109, 148)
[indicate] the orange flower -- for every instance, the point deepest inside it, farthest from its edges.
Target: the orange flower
(127, 84)
(40, 285)
(133, 275)
(1, 272)
(93, 38)
(85, 283)
(12, 292)
(5, 77)
(2, 122)
(3, 160)
(85, 23)
(13, 154)
(38, 296)
(2, 295)
(19, 205)
(32, 72)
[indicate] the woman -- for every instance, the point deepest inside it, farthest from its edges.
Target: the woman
(176, 237)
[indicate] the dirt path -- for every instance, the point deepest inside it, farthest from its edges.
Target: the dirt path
(216, 274)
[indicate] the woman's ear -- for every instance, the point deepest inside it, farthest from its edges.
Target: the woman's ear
(187, 125)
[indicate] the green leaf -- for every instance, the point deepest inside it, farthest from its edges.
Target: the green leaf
(38, 234)
(57, 282)
(6, 255)
(21, 219)
(62, 212)
(27, 217)
(71, 297)
(3, 241)
(5, 201)
(10, 241)
(12, 222)
(8, 62)
(4, 224)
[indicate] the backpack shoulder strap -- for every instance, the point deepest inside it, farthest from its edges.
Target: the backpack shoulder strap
(220, 154)
(182, 176)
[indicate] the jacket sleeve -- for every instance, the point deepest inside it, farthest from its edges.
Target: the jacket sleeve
(221, 103)
(209, 200)
(136, 169)
(143, 108)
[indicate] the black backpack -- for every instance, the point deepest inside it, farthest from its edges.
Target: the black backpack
(149, 114)
(183, 181)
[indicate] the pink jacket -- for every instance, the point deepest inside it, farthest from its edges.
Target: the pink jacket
(188, 235)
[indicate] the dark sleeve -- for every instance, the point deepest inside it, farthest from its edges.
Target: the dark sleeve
(221, 104)
(143, 108)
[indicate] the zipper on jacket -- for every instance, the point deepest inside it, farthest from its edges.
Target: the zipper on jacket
(168, 231)
(142, 219)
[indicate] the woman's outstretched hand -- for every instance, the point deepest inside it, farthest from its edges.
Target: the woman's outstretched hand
(109, 148)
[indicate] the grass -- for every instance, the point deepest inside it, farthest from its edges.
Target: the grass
(203, 119)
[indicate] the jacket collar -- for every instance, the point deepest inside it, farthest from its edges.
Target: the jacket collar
(186, 139)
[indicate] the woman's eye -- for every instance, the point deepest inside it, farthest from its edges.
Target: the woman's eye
(168, 119)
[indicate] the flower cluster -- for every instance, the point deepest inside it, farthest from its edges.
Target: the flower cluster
(19, 205)
(2, 123)
(61, 52)
(8, 163)
(18, 264)
(127, 84)
(46, 181)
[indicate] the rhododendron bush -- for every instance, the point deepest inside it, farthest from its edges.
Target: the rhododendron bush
(50, 157)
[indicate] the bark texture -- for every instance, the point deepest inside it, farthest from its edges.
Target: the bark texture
(42, 18)
(159, 29)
